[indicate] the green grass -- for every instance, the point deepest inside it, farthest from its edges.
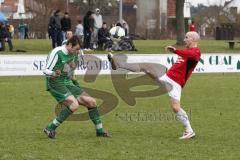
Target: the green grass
(26, 108)
(34, 46)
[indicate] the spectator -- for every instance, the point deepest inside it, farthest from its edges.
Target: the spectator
(98, 22)
(49, 32)
(2, 34)
(88, 29)
(103, 36)
(21, 30)
(66, 25)
(125, 27)
(5, 37)
(117, 32)
(192, 27)
(113, 25)
(10, 30)
(120, 40)
(55, 25)
(69, 35)
(79, 30)
(50, 29)
(26, 31)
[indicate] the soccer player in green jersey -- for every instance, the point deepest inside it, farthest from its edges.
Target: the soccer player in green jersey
(61, 63)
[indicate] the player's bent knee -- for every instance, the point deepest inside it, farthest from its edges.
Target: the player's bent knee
(72, 103)
(91, 103)
(74, 106)
(87, 101)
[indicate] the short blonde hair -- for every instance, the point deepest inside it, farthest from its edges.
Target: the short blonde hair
(194, 35)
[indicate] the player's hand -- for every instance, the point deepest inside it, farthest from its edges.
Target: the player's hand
(57, 73)
(171, 49)
(72, 65)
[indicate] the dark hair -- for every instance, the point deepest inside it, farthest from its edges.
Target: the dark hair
(79, 21)
(56, 12)
(75, 40)
(119, 24)
(66, 13)
(104, 23)
(89, 13)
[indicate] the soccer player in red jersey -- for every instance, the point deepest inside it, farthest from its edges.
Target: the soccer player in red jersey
(176, 76)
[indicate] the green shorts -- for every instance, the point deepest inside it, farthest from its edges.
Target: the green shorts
(61, 93)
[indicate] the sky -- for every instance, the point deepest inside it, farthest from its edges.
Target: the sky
(206, 2)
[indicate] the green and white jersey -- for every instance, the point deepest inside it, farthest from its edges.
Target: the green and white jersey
(64, 42)
(60, 59)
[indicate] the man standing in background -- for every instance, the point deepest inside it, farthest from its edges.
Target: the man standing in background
(5, 37)
(55, 24)
(21, 30)
(79, 30)
(98, 22)
(88, 23)
(66, 25)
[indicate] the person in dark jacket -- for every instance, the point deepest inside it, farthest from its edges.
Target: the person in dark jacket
(5, 37)
(26, 31)
(88, 23)
(66, 25)
(103, 36)
(55, 25)
(2, 35)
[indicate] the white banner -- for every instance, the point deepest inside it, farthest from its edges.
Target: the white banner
(26, 65)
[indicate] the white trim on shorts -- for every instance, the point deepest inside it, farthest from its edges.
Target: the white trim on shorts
(176, 90)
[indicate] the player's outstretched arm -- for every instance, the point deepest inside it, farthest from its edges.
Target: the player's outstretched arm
(170, 49)
(189, 53)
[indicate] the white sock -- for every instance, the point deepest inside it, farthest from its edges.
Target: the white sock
(183, 118)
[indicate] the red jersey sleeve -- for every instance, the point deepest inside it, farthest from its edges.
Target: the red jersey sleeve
(191, 53)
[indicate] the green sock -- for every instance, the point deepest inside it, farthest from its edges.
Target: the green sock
(95, 117)
(62, 116)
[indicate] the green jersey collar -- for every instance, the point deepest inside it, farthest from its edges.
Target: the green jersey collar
(64, 49)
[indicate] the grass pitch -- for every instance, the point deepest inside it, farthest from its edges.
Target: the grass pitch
(213, 101)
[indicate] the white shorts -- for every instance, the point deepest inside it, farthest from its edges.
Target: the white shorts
(176, 90)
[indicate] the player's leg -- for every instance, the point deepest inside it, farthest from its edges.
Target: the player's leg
(183, 118)
(175, 96)
(91, 104)
(174, 91)
(153, 70)
(65, 97)
(120, 62)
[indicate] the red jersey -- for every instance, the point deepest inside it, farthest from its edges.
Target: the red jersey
(192, 27)
(184, 66)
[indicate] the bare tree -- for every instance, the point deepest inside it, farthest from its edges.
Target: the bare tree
(42, 11)
(180, 21)
(214, 16)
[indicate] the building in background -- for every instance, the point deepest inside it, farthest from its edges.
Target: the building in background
(8, 7)
(233, 6)
(21, 12)
(152, 18)
(15, 9)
